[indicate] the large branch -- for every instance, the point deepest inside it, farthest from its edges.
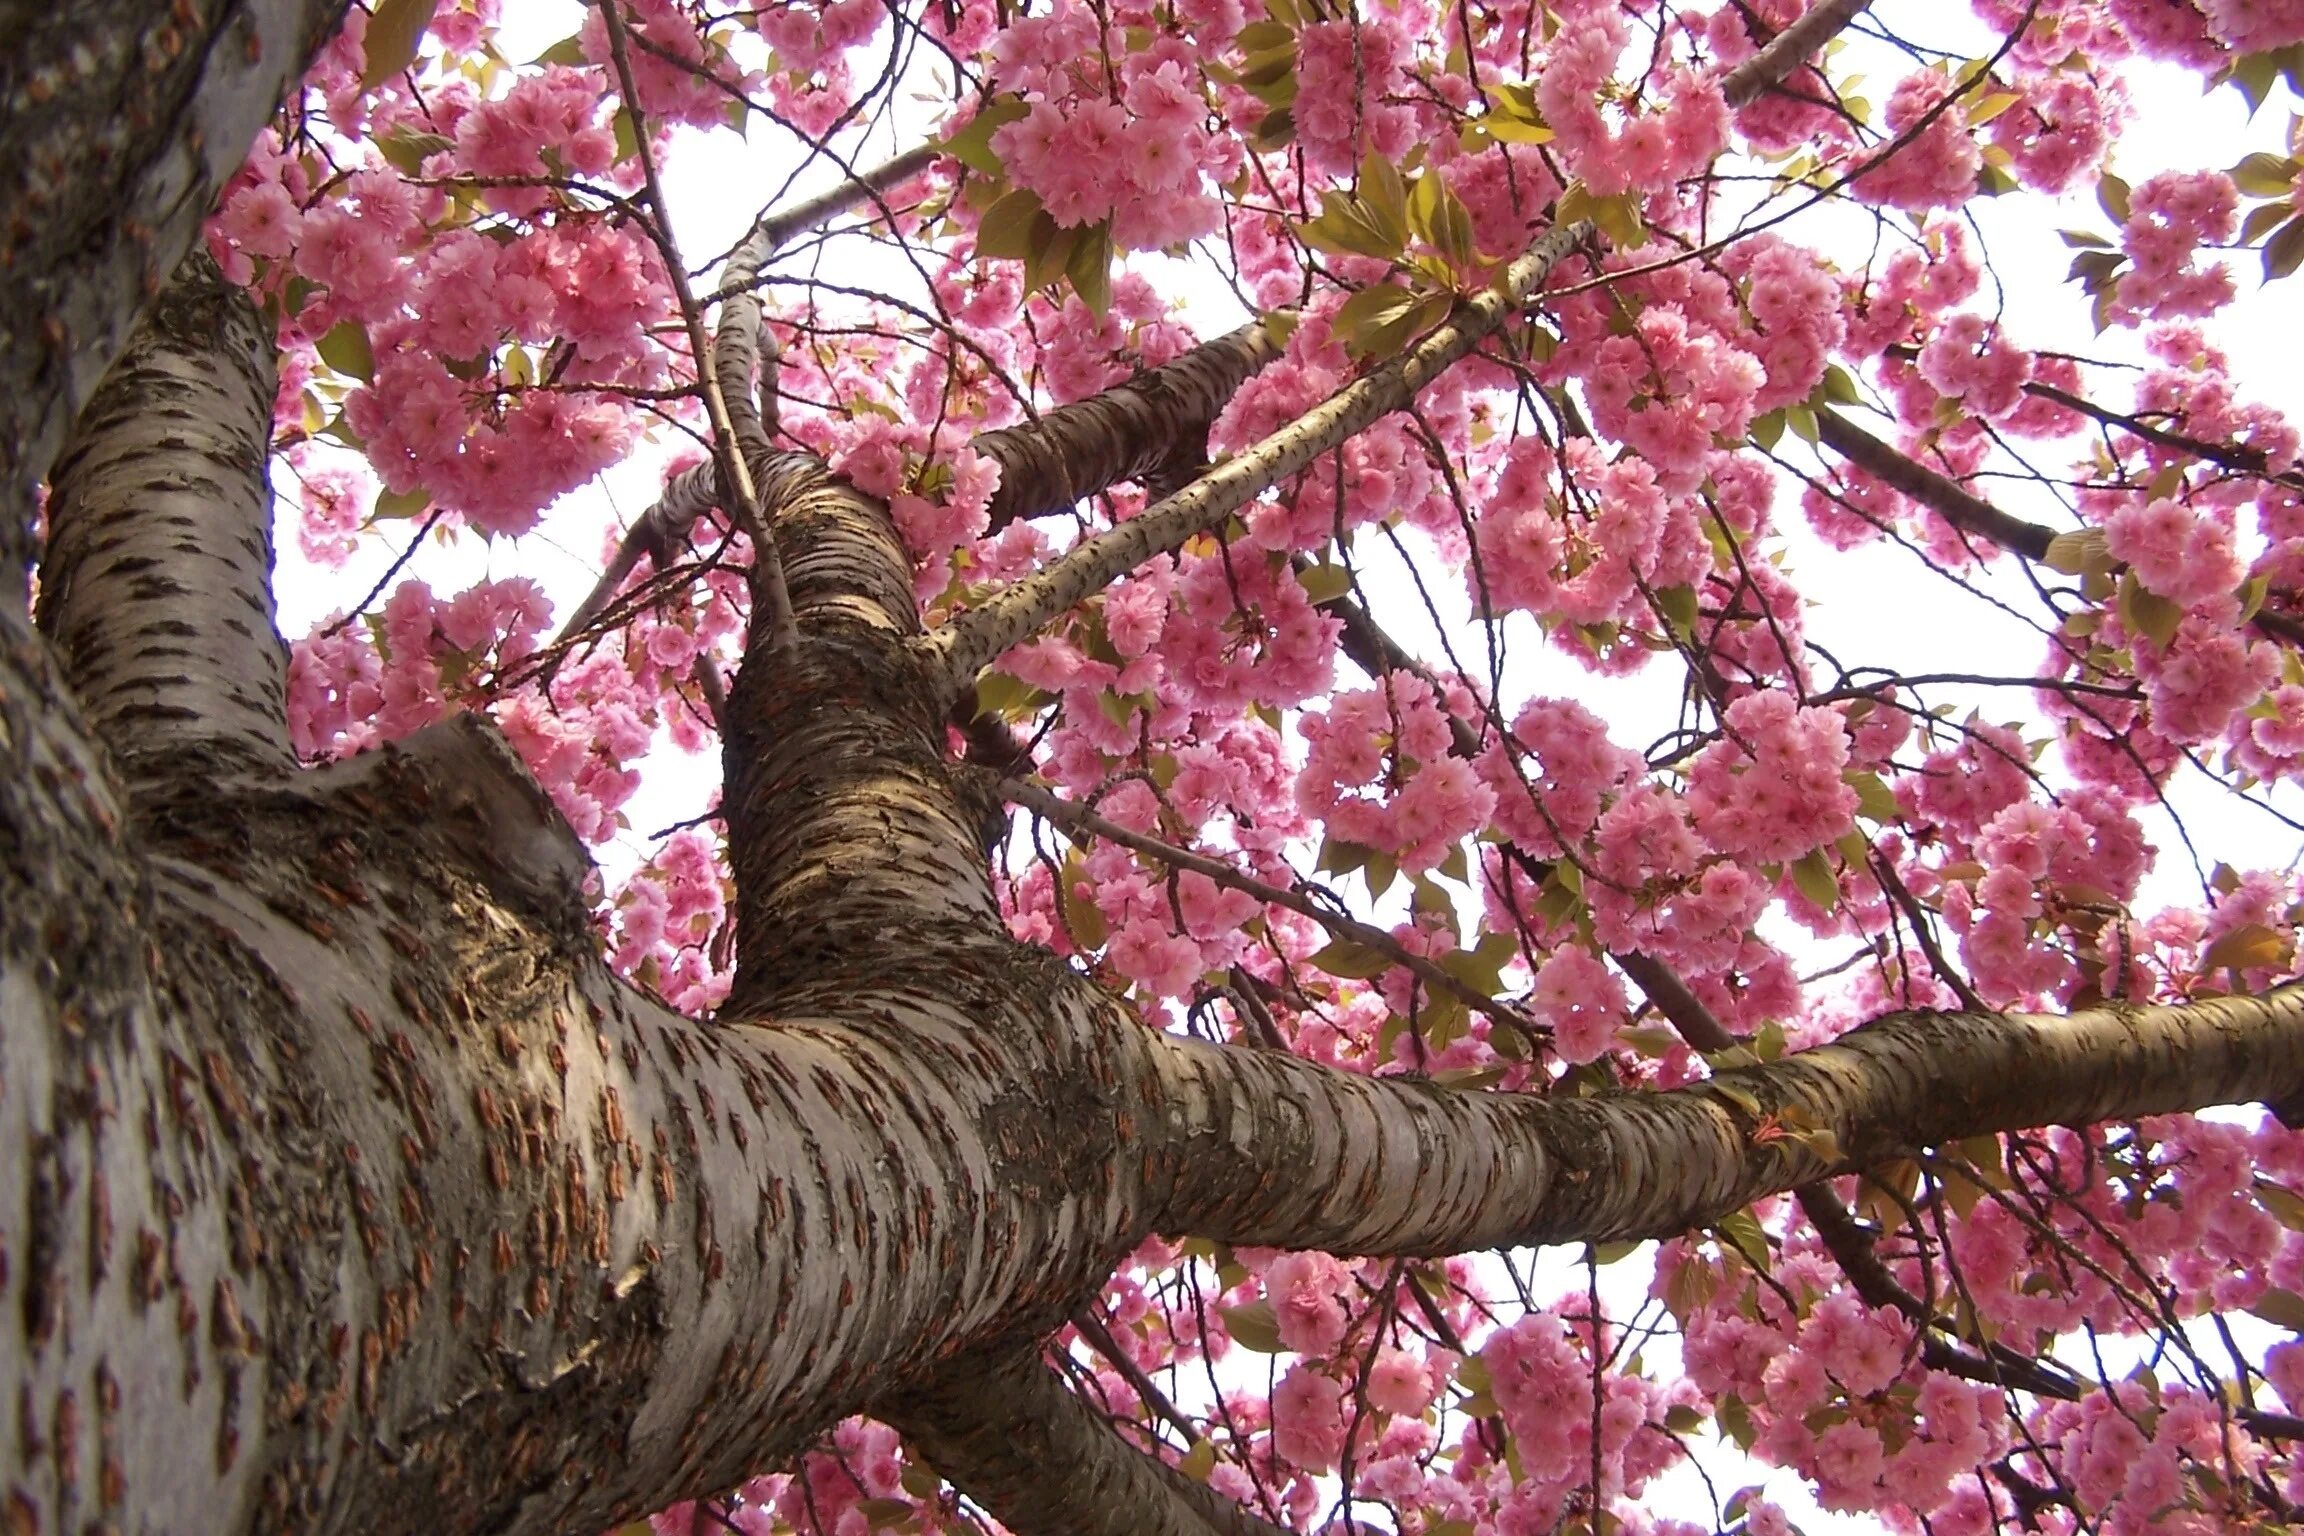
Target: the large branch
(1788, 50)
(974, 639)
(1153, 422)
(1272, 1150)
(1017, 1441)
(119, 121)
(1948, 498)
(156, 586)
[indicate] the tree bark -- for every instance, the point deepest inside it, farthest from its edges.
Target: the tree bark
(157, 586)
(119, 122)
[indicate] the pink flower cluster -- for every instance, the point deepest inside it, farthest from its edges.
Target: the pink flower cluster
(1137, 156)
(1773, 789)
(1650, 149)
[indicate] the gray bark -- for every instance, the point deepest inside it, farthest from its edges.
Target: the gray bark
(156, 587)
(119, 121)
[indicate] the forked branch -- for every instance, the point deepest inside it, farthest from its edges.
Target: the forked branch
(961, 648)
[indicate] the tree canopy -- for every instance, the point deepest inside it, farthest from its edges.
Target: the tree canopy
(1298, 925)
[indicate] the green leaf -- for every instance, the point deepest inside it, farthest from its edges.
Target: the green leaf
(405, 150)
(1742, 1231)
(1654, 1041)
(2250, 946)
(1263, 36)
(1082, 916)
(1324, 583)
(399, 504)
(1874, 799)
(2078, 552)
(1735, 1420)
(1276, 130)
(2112, 197)
(395, 31)
(568, 53)
(1384, 197)
(2284, 252)
(971, 144)
(2281, 1307)
(2262, 175)
(1050, 255)
(1619, 219)
(2254, 73)
(1199, 1461)
(1005, 229)
(2263, 219)
(1345, 229)
(1678, 605)
(1767, 429)
(1991, 107)
(2286, 1206)
(1363, 319)
(1351, 960)
(1380, 871)
(2147, 613)
(1253, 1325)
(627, 137)
(345, 348)
(1090, 268)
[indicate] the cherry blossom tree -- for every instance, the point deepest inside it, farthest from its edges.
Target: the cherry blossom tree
(1166, 952)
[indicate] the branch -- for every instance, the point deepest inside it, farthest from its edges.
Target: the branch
(1949, 499)
(1099, 1338)
(737, 343)
(732, 451)
(1851, 1247)
(1019, 1442)
(1788, 50)
(1077, 818)
(140, 116)
(157, 585)
(1274, 1150)
(1373, 650)
(1125, 433)
(1960, 507)
(974, 639)
(2243, 458)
